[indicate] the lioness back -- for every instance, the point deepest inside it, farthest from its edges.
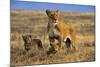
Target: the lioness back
(66, 30)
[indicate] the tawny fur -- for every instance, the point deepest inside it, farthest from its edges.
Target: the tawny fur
(62, 29)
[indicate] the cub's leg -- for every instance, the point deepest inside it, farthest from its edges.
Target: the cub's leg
(38, 42)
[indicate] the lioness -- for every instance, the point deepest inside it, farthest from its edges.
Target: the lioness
(58, 30)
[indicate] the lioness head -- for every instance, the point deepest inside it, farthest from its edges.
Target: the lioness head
(53, 15)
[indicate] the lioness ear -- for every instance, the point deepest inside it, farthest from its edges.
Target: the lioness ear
(57, 11)
(47, 11)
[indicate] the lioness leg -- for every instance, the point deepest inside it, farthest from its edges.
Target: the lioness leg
(59, 42)
(52, 48)
(68, 43)
(52, 44)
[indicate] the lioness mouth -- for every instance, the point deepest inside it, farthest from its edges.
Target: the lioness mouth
(54, 24)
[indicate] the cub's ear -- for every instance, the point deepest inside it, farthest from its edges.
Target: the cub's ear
(23, 36)
(30, 36)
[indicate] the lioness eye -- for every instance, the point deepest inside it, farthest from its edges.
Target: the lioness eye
(52, 15)
(56, 15)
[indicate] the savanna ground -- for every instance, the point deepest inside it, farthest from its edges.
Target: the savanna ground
(35, 23)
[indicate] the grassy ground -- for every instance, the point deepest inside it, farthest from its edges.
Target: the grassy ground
(35, 22)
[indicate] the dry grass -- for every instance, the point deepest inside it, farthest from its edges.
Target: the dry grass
(34, 23)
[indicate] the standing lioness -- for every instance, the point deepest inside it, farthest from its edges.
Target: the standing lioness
(59, 31)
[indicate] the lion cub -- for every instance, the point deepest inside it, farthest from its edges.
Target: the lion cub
(29, 42)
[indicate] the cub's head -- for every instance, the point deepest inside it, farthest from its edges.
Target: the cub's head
(53, 15)
(27, 38)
